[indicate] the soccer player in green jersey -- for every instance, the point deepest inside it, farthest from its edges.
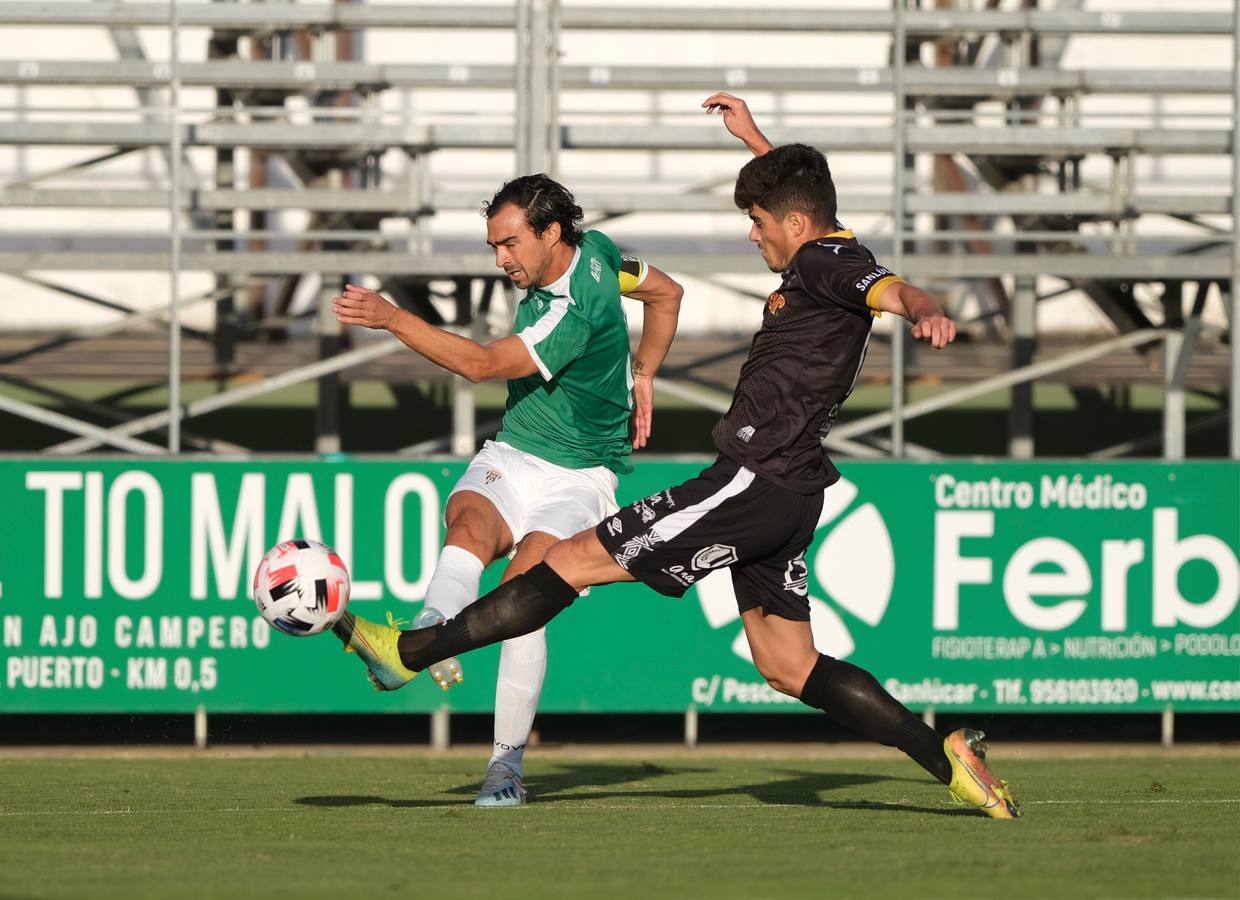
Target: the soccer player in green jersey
(578, 403)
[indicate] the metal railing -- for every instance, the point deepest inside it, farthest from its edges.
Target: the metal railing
(538, 134)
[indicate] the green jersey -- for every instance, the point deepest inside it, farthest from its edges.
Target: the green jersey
(575, 410)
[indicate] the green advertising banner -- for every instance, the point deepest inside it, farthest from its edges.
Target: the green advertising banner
(965, 586)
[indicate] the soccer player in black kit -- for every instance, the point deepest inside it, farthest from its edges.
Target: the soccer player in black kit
(755, 509)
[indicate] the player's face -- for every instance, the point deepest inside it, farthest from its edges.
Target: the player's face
(770, 234)
(518, 251)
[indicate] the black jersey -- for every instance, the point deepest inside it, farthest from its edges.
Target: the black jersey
(803, 363)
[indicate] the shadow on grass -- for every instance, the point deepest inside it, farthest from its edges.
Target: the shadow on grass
(594, 782)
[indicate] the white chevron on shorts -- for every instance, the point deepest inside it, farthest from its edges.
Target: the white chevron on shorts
(673, 525)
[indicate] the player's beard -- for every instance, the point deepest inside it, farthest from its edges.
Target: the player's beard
(775, 261)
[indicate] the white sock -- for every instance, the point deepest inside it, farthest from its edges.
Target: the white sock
(455, 583)
(522, 665)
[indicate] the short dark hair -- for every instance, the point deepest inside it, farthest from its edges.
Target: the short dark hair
(544, 201)
(791, 178)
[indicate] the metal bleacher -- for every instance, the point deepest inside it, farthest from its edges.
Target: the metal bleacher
(1006, 187)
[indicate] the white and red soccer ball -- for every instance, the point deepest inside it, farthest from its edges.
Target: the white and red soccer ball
(301, 587)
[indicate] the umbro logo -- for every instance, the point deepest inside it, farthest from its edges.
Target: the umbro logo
(634, 547)
(493, 476)
(746, 433)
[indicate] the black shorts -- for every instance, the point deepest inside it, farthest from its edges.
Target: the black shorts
(726, 517)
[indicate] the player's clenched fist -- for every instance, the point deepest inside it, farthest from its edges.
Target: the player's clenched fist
(937, 330)
(359, 306)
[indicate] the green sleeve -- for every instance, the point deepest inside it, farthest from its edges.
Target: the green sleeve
(557, 338)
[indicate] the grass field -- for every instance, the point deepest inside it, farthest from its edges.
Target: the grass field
(344, 823)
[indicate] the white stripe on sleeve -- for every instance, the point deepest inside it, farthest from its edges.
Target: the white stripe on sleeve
(543, 327)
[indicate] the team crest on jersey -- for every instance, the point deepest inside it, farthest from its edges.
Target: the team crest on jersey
(715, 556)
(796, 576)
(493, 476)
(596, 269)
(775, 302)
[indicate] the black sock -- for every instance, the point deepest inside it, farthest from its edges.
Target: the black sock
(853, 697)
(524, 604)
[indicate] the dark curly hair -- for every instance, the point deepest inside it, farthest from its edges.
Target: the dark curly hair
(791, 178)
(544, 201)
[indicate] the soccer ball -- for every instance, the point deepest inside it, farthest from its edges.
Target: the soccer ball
(301, 587)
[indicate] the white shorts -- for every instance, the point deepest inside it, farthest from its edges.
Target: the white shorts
(532, 494)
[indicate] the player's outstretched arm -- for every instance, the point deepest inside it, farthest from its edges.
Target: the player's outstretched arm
(660, 295)
(506, 358)
(738, 120)
(930, 323)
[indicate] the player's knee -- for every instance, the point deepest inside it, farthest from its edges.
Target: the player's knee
(780, 677)
(467, 528)
(561, 556)
(575, 559)
(785, 685)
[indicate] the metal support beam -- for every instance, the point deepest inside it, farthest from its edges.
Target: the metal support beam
(998, 382)
(1177, 354)
(318, 77)
(1155, 440)
(1233, 300)
(113, 414)
(362, 139)
(441, 729)
(1232, 296)
(174, 228)
(282, 16)
(327, 410)
(481, 265)
(464, 417)
(229, 398)
(413, 203)
(200, 727)
(92, 434)
(1020, 411)
(720, 404)
(899, 52)
(465, 428)
(446, 444)
(537, 106)
(1173, 398)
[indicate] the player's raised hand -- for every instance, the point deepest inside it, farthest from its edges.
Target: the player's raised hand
(359, 306)
(643, 409)
(738, 120)
(936, 330)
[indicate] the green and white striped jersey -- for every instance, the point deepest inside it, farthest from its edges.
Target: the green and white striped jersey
(575, 410)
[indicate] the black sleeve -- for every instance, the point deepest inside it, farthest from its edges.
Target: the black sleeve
(843, 275)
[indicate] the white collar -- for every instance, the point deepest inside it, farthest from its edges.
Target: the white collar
(559, 287)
